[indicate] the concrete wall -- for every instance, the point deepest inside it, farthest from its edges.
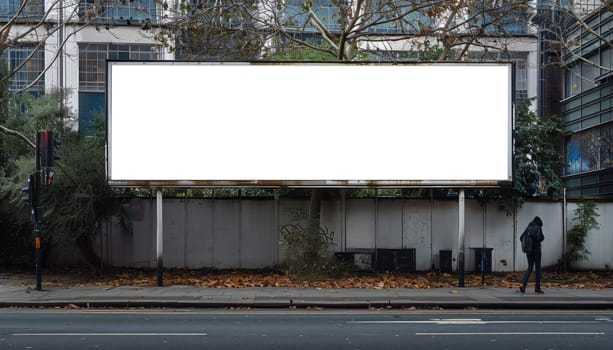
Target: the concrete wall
(233, 233)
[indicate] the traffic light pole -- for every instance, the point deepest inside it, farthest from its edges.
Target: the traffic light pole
(38, 255)
(160, 239)
(461, 222)
(37, 212)
(42, 176)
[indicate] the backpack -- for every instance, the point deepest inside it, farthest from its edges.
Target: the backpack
(526, 242)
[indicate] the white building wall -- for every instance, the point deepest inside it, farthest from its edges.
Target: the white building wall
(72, 36)
(232, 233)
(360, 221)
(533, 66)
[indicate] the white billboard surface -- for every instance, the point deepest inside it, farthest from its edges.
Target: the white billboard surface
(215, 124)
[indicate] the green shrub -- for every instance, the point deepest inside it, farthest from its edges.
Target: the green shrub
(585, 221)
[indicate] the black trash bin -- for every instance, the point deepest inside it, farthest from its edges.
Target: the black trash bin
(445, 260)
(483, 259)
(402, 260)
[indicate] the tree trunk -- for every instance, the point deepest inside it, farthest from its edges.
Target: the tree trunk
(313, 246)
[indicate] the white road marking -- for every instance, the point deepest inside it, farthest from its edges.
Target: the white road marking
(104, 334)
(471, 321)
(515, 333)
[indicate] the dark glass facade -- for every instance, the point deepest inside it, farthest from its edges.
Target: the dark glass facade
(587, 108)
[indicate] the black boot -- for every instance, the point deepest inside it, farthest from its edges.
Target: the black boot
(522, 288)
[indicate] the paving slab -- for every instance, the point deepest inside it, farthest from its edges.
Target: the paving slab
(22, 295)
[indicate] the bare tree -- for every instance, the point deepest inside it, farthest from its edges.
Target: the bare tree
(345, 30)
(562, 25)
(44, 25)
(341, 28)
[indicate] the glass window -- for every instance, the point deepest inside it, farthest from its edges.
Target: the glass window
(34, 9)
(118, 11)
(574, 115)
(92, 61)
(572, 82)
(573, 155)
(26, 65)
(92, 75)
(326, 11)
(590, 150)
(589, 72)
(607, 60)
(606, 148)
(521, 75)
(90, 105)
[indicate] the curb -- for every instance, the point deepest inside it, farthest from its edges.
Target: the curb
(314, 304)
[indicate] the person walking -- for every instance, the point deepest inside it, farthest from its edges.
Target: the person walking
(531, 240)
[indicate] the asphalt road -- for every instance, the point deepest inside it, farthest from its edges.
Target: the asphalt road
(198, 329)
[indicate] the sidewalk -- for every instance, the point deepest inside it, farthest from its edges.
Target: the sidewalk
(183, 296)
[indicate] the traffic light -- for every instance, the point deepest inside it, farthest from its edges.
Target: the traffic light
(48, 174)
(46, 151)
(46, 143)
(31, 191)
(28, 190)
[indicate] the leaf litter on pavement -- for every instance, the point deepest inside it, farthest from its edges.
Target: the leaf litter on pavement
(211, 278)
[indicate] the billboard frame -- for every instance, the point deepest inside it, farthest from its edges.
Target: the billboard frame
(311, 183)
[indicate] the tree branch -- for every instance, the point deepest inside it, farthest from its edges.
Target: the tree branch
(325, 33)
(16, 133)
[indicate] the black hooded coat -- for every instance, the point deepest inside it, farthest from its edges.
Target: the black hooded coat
(532, 236)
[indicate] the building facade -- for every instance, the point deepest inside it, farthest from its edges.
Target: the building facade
(80, 38)
(68, 48)
(587, 106)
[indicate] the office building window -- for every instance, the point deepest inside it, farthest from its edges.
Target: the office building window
(297, 18)
(589, 150)
(606, 57)
(92, 74)
(33, 10)
(606, 149)
(572, 81)
(92, 61)
(118, 11)
(589, 72)
(26, 65)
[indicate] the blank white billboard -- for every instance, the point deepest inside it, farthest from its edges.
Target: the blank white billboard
(308, 124)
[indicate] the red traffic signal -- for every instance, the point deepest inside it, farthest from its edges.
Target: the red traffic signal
(49, 174)
(46, 144)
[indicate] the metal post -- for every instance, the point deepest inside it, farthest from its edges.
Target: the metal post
(160, 238)
(344, 220)
(483, 255)
(38, 261)
(564, 208)
(240, 229)
(37, 212)
(277, 225)
(402, 245)
(376, 221)
(514, 212)
(461, 238)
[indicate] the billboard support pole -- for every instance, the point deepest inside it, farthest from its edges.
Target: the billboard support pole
(564, 228)
(461, 238)
(159, 238)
